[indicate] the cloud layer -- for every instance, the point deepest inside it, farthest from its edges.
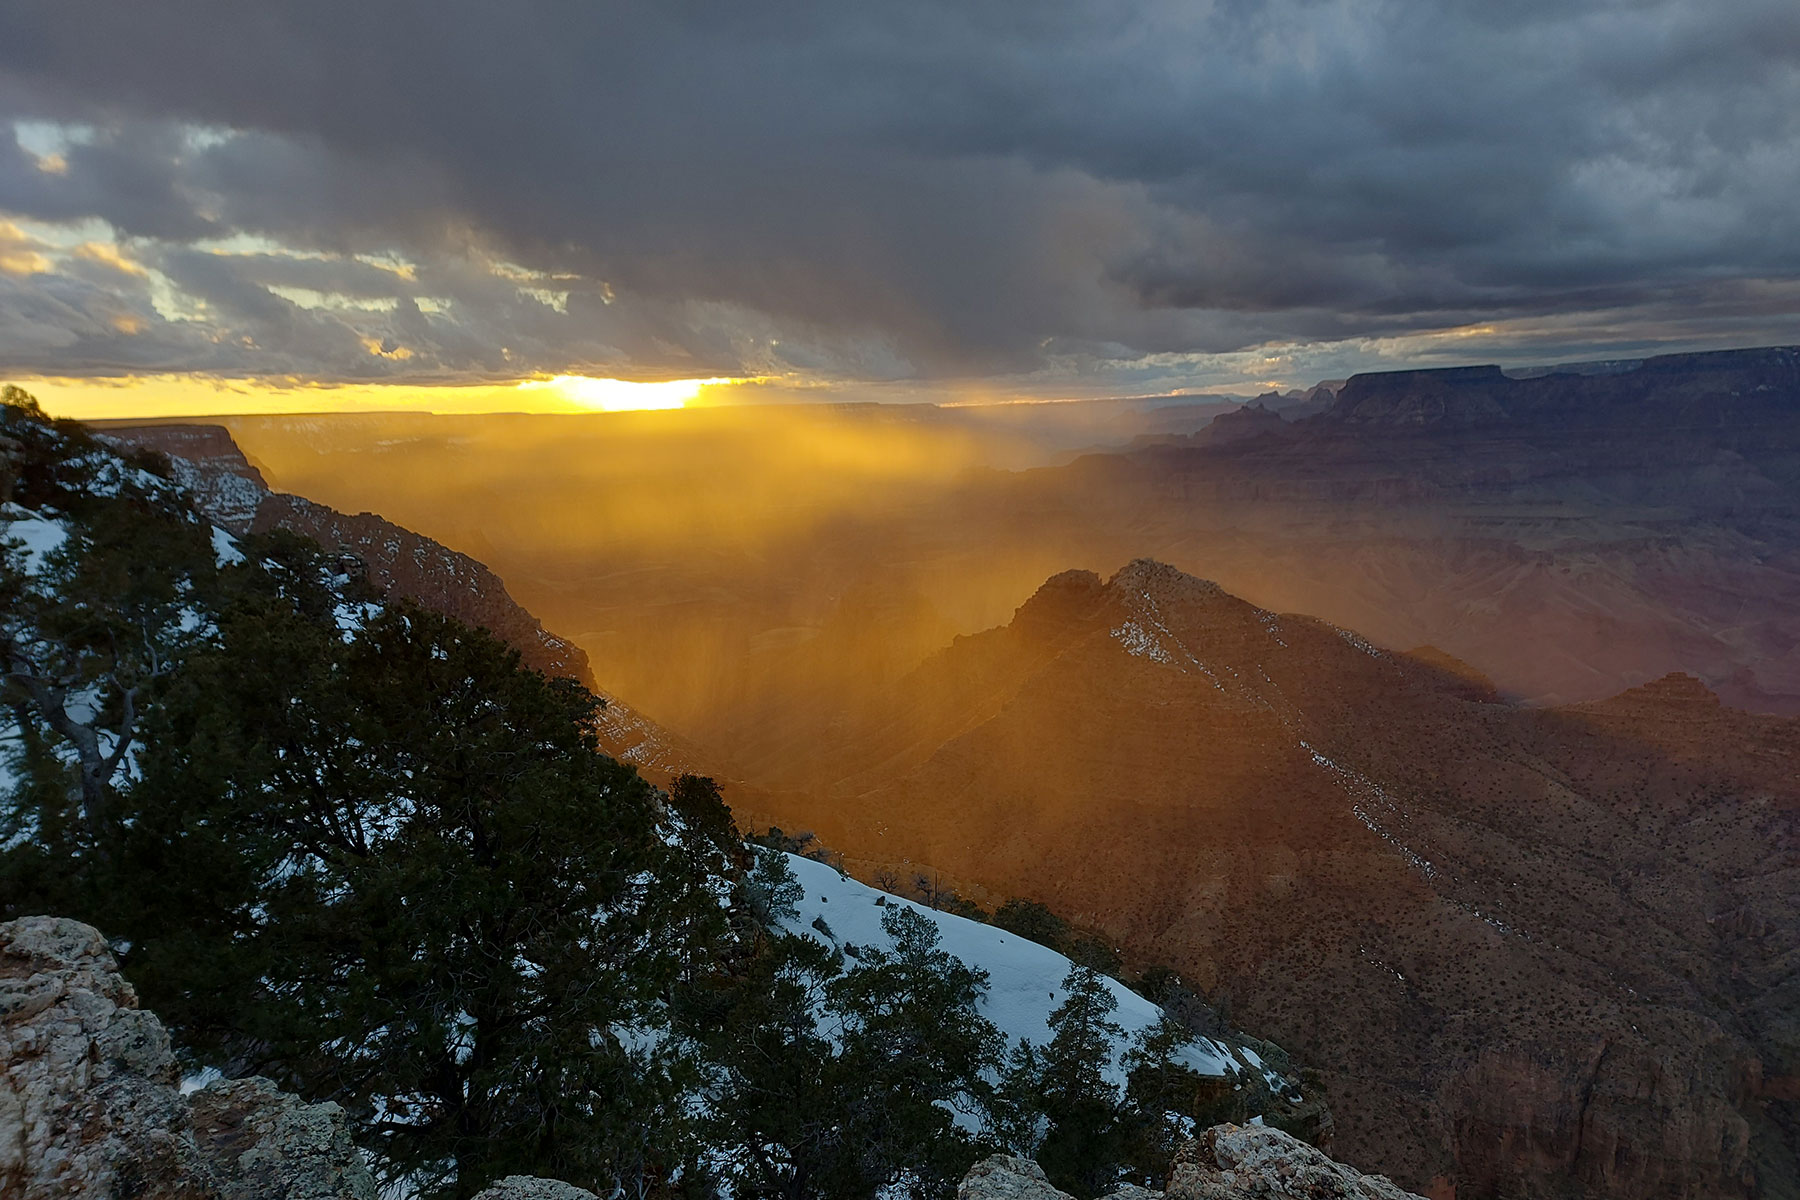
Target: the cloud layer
(1072, 193)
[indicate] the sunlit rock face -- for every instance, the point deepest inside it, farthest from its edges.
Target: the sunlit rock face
(1532, 950)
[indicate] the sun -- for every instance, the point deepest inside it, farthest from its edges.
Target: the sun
(622, 395)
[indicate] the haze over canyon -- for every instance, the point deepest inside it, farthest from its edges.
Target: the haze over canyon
(1486, 848)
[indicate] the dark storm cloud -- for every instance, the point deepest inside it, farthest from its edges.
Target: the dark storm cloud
(915, 189)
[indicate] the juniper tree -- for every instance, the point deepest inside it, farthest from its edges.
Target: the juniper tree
(398, 873)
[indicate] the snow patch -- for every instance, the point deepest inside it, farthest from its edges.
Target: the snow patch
(225, 548)
(1139, 644)
(1024, 978)
(38, 536)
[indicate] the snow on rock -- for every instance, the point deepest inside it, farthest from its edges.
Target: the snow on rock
(1374, 807)
(1360, 643)
(1140, 644)
(631, 737)
(352, 615)
(1024, 978)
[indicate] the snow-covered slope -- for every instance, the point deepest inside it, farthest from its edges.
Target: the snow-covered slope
(1024, 978)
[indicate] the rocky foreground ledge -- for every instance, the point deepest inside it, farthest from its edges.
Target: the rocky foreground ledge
(91, 1106)
(1226, 1162)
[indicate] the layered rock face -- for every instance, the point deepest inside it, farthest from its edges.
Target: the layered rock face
(90, 1104)
(1533, 952)
(1571, 534)
(1226, 1162)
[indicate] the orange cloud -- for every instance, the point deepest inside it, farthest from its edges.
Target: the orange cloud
(109, 255)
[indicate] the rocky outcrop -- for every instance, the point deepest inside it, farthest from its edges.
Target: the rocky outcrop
(1226, 1162)
(1250, 1162)
(90, 1104)
(259, 1143)
(221, 482)
(1007, 1177)
(411, 566)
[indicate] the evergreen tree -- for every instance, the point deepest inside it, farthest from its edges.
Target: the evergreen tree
(86, 636)
(1033, 922)
(772, 1076)
(396, 872)
(914, 1050)
(1084, 1140)
(841, 1083)
(769, 892)
(1162, 1093)
(1096, 953)
(1016, 1117)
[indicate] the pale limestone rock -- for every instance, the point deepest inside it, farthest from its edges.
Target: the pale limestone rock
(88, 1104)
(264, 1144)
(1253, 1162)
(1007, 1177)
(1226, 1162)
(529, 1187)
(90, 1107)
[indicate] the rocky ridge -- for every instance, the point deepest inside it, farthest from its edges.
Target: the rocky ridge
(1537, 950)
(230, 492)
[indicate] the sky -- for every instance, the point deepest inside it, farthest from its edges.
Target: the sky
(207, 205)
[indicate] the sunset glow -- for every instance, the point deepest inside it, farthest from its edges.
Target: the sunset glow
(622, 395)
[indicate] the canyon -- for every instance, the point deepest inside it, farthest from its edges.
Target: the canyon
(1501, 835)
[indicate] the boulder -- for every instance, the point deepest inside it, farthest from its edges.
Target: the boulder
(1007, 1177)
(1226, 1162)
(1254, 1162)
(88, 1097)
(263, 1144)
